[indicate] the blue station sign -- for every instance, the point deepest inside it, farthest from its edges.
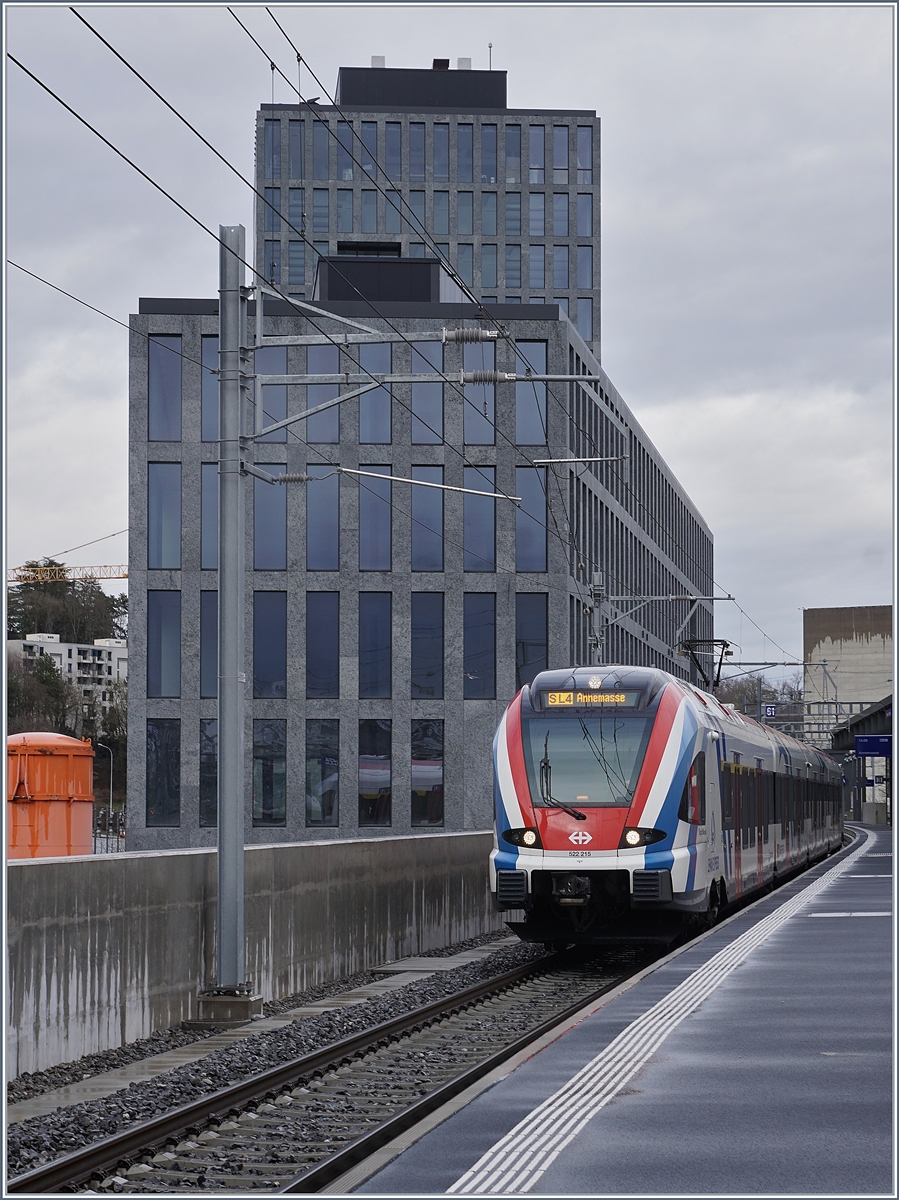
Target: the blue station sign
(873, 745)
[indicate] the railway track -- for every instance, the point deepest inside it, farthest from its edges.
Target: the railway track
(299, 1126)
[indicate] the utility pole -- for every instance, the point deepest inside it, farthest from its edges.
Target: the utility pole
(597, 616)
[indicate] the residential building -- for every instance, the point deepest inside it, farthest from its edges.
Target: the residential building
(91, 667)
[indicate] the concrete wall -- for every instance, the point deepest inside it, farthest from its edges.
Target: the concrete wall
(107, 949)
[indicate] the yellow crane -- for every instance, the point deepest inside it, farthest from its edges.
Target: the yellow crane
(61, 574)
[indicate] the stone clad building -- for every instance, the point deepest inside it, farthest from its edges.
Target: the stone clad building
(387, 624)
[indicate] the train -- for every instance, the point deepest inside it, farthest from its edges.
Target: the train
(631, 804)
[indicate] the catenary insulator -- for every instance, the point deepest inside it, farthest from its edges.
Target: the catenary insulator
(470, 335)
(487, 377)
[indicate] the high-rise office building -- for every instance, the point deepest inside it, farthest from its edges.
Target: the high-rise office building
(388, 623)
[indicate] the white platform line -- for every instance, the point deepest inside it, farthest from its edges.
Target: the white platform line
(518, 1160)
(851, 914)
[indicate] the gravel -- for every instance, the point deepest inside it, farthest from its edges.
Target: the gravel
(41, 1139)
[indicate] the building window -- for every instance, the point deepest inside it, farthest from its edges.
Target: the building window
(479, 646)
(374, 645)
(513, 267)
(272, 262)
(296, 208)
(427, 398)
(344, 151)
(209, 762)
(209, 643)
(271, 220)
(416, 151)
(585, 267)
(530, 397)
(560, 154)
(368, 155)
(513, 154)
(479, 398)
(427, 774)
(465, 213)
(441, 214)
(320, 214)
(393, 215)
(513, 214)
(427, 645)
(270, 645)
(272, 360)
(320, 147)
(531, 637)
(297, 148)
(322, 773)
(269, 773)
(163, 643)
(163, 774)
(324, 427)
(479, 520)
(416, 218)
(585, 214)
(374, 406)
(164, 516)
(344, 210)
(374, 520)
(164, 389)
(560, 266)
(585, 318)
(464, 153)
(416, 249)
(427, 520)
(530, 519)
(322, 519)
(272, 149)
(296, 263)
(537, 142)
(562, 302)
(488, 217)
(536, 214)
(374, 773)
(209, 389)
(488, 154)
(393, 150)
(441, 153)
(537, 267)
(488, 266)
(584, 154)
(369, 211)
(560, 214)
(322, 645)
(465, 263)
(270, 522)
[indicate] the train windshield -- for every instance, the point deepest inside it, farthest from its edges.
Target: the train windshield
(585, 761)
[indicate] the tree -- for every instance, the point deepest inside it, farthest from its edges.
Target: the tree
(40, 700)
(743, 692)
(77, 609)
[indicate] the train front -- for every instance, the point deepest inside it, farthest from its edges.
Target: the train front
(600, 806)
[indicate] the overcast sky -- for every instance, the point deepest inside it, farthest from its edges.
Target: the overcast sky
(747, 250)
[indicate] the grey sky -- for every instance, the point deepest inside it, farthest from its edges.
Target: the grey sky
(747, 249)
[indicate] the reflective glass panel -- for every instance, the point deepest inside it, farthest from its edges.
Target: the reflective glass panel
(536, 214)
(322, 645)
(374, 520)
(531, 637)
(321, 142)
(479, 646)
(560, 266)
(560, 214)
(530, 519)
(374, 645)
(374, 406)
(209, 516)
(269, 644)
(270, 522)
(416, 219)
(416, 151)
(488, 266)
(479, 403)
(271, 219)
(427, 645)
(464, 214)
(530, 397)
(320, 214)
(393, 150)
(537, 267)
(488, 154)
(441, 153)
(322, 518)
(427, 774)
(163, 796)
(209, 389)
(427, 521)
(164, 389)
(560, 154)
(269, 773)
(209, 632)
(322, 772)
(441, 214)
(375, 773)
(345, 153)
(272, 149)
(297, 136)
(427, 398)
(585, 214)
(513, 214)
(209, 748)
(272, 262)
(513, 154)
(488, 214)
(585, 266)
(513, 267)
(296, 202)
(369, 211)
(464, 162)
(163, 643)
(272, 360)
(465, 263)
(585, 154)
(324, 426)
(344, 210)
(537, 143)
(296, 269)
(164, 515)
(368, 155)
(585, 318)
(479, 520)
(393, 214)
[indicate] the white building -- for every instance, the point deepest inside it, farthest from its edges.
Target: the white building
(92, 668)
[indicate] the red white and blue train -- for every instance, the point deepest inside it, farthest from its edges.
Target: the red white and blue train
(630, 803)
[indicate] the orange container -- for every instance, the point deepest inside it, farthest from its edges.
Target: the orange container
(49, 795)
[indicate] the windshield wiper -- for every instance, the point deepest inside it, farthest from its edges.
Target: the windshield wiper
(546, 776)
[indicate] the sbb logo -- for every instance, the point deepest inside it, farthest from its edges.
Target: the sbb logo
(580, 837)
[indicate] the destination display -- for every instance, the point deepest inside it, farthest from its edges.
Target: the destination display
(590, 699)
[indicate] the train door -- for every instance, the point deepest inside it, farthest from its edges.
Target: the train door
(730, 836)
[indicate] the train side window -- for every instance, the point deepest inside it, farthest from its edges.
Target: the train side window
(692, 804)
(727, 796)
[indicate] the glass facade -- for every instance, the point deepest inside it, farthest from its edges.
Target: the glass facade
(324, 427)
(270, 522)
(163, 779)
(479, 646)
(209, 756)
(531, 636)
(375, 524)
(530, 397)
(322, 645)
(427, 645)
(163, 643)
(479, 520)
(375, 772)
(479, 406)
(164, 516)
(164, 389)
(530, 519)
(272, 360)
(322, 773)
(209, 389)
(269, 773)
(375, 645)
(374, 407)
(427, 520)
(322, 519)
(209, 633)
(269, 645)
(427, 774)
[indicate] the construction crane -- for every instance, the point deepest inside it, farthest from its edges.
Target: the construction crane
(63, 574)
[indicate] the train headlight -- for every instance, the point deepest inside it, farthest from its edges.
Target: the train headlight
(633, 837)
(522, 837)
(529, 837)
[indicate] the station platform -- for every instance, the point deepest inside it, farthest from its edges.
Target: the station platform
(757, 1060)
